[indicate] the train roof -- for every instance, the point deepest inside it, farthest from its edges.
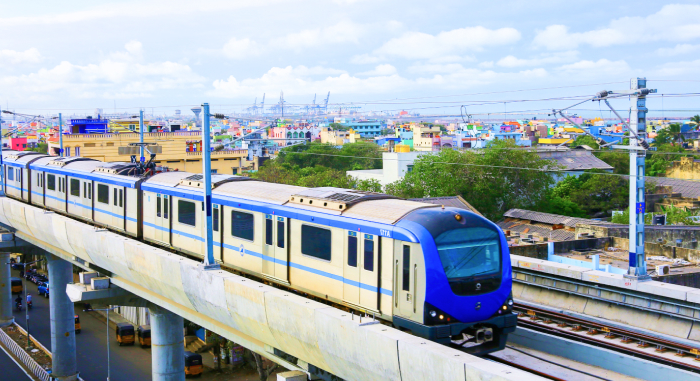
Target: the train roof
(83, 168)
(21, 158)
(367, 206)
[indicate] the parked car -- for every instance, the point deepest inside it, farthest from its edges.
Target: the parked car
(44, 289)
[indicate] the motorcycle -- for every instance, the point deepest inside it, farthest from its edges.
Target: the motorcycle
(29, 304)
(18, 306)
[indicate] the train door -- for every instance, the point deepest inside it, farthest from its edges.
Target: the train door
(162, 220)
(118, 207)
(369, 280)
(74, 199)
(268, 263)
(87, 199)
(351, 271)
(281, 248)
(404, 278)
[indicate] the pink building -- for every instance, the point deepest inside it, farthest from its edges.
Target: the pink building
(18, 144)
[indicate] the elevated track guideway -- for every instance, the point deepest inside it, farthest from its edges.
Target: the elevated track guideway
(277, 324)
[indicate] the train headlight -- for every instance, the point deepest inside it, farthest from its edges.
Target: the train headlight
(433, 313)
(510, 302)
(505, 308)
(441, 317)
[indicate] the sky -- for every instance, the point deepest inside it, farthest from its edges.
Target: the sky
(429, 57)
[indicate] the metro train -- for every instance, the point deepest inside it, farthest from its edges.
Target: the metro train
(443, 274)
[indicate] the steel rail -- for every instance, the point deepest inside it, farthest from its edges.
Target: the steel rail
(522, 367)
(542, 320)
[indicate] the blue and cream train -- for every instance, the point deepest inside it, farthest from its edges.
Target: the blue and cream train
(440, 273)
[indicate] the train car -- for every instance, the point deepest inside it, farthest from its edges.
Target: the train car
(16, 173)
(90, 190)
(441, 273)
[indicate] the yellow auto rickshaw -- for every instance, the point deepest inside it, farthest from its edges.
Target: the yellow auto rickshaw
(193, 364)
(77, 324)
(144, 333)
(125, 334)
(16, 285)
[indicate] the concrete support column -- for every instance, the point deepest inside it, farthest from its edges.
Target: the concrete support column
(6, 317)
(65, 366)
(167, 345)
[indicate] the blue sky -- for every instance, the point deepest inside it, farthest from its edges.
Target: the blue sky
(74, 55)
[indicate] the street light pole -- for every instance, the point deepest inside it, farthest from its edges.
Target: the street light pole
(143, 148)
(60, 134)
(105, 309)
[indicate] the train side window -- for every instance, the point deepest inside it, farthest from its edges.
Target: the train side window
(115, 197)
(352, 249)
(268, 229)
(316, 242)
(157, 205)
(75, 187)
(186, 213)
(369, 252)
(280, 232)
(51, 183)
(90, 191)
(11, 174)
(85, 189)
(121, 198)
(165, 206)
(242, 225)
(102, 193)
(215, 218)
(406, 285)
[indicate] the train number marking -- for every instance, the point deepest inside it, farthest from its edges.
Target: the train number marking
(385, 233)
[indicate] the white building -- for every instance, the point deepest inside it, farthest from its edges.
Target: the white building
(396, 165)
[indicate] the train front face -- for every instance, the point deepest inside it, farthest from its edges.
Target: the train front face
(468, 275)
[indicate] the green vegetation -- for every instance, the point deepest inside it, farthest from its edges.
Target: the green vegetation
(323, 165)
(492, 180)
(589, 195)
(674, 216)
(41, 147)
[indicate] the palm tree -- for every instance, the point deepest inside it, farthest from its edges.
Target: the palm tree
(674, 130)
(696, 119)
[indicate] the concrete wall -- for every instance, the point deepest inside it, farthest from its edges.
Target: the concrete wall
(259, 317)
(652, 234)
(540, 250)
(653, 248)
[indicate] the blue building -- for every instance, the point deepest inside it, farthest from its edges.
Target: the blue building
(365, 128)
(89, 126)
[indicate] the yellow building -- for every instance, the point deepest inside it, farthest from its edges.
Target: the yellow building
(179, 150)
(339, 137)
(556, 141)
(423, 137)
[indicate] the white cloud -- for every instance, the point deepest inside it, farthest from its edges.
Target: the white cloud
(672, 69)
(13, 57)
(418, 45)
(380, 70)
(674, 22)
(512, 61)
(362, 59)
(678, 50)
(342, 32)
(435, 68)
(383, 79)
(241, 48)
(135, 9)
(120, 75)
(600, 68)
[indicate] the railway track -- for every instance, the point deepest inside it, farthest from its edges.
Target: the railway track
(620, 340)
(522, 367)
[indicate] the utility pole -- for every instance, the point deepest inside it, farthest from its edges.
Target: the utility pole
(637, 126)
(637, 148)
(209, 261)
(143, 148)
(60, 134)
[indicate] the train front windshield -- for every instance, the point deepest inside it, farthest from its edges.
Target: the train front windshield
(469, 252)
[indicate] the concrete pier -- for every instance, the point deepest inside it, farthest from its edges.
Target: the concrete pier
(167, 345)
(65, 366)
(6, 317)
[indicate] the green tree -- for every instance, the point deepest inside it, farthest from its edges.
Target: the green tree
(585, 140)
(696, 119)
(599, 194)
(674, 130)
(493, 180)
(41, 147)
(619, 160)
(657, 163)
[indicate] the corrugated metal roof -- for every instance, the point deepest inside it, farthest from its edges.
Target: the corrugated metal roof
(575, 160)
(259, 191)
(547, 218)
(687, 188)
